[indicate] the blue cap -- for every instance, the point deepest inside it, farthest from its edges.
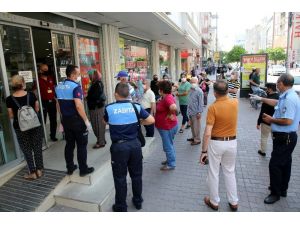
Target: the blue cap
(122, 73)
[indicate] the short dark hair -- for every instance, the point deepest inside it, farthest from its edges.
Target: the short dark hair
(271, 86)
(287, 80)
(221, 87)
(70, 69)
(122, 90)
(165, 86)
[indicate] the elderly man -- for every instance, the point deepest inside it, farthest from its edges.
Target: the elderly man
(220, 145)
(195, 108)
(149, 104)
(284, 126)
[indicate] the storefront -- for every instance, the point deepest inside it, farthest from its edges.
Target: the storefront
(164, 59)
(135, 57)
(26, 41)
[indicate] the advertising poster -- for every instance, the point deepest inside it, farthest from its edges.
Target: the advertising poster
(294, 52)
(89, 59)
(248, 62)
(62, 71)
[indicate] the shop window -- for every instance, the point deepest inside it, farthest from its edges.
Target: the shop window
(89, 60)
(164, 59)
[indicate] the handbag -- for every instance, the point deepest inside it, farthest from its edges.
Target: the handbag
(140, 134)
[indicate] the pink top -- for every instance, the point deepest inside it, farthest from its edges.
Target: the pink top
(163, 118)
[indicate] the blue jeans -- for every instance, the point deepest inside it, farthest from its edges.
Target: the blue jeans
(167, 137)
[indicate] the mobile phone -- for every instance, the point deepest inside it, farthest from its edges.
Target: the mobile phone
(205, 160)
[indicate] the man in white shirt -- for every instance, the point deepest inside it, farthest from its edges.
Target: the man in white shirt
(149, 104)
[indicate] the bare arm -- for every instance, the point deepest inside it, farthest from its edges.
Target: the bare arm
(173, 108)
(10, 113)
(271, 102)
(153, 108)
(279, 121)
(206, 137)
(37, 106)
(80, 109)
(149, 120)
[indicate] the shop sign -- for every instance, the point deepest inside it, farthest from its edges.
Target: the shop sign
(62, 72)
(27, 76)
(253, 60)
(141, 63)
(130, 64)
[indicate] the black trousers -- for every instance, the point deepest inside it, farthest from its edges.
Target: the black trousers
(281, 162)
(75, 132)
(149, 128)
(127, 155)
(49, 107)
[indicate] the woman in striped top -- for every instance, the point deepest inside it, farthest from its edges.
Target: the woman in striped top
(233, 85)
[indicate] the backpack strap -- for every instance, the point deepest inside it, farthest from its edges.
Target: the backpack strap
(136, 113)
(16, 102)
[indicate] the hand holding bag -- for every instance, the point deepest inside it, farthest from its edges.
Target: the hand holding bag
(140, 134)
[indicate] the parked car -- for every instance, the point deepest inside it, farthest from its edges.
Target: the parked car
(296, 85)
(276, 70)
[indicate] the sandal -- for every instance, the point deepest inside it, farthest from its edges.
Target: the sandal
(233, 208)
(180, 131)
(209, 204)
(30, 176)
(39, 173)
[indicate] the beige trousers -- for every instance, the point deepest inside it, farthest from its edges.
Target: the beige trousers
(195, 127)
(265, 131)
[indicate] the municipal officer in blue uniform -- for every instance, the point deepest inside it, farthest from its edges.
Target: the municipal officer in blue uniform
(74, 120)
(126, 151)
(284, 126)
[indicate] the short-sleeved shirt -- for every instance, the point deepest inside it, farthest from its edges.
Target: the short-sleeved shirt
(222, 115)
(147, 99)
(163, 118)
(22, 101)
(122, 120)
(184, 87)
(255, 78)
(66, 92)
(47, 88)
(288, 107)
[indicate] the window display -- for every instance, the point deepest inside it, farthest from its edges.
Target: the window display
(164, 59)
(89, 60)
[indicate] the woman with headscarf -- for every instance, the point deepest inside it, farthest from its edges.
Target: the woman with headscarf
(96, 101)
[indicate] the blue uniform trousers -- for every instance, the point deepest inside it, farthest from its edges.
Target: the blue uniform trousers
(127, 155)
(281, 162)
(75, 132)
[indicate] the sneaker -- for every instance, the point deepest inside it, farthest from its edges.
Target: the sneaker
(138, 206)
(190, 139)
(70, 172)
(164, 162)
(87, 171)
(166, 167)
(261, 153)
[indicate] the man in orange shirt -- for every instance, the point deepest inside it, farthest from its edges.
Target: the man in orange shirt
(220, 146)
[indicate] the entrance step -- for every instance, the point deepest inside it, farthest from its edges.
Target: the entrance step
(20, 195)
(98, 196)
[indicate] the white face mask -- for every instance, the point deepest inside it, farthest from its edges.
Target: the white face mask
(183, 80)
(194, 85)
(78, 79)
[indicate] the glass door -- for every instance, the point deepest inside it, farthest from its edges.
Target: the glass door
(18, 58)
(63, 52)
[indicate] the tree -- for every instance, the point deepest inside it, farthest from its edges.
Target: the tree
(234, 55)
(261, 51)
(276, 54)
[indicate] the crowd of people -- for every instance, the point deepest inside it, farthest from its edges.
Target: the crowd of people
(152, 103)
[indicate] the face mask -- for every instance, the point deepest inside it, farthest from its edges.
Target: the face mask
(78, 79)
(183, 80)
(194, 85)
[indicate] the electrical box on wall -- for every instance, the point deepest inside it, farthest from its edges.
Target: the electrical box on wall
(44, 23)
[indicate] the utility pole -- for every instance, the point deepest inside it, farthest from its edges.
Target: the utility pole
(290, 21)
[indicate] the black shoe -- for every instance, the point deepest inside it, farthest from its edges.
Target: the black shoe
(116, 209)
(283, 193)
(87, 171)
(187, 126)
(190, 139)
(138, 206)
(261, 153)
(54, 139)
(271, 199)
(70, 171)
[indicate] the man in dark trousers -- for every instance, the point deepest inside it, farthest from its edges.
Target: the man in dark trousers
(74, 120)
(284, 125)
(154, 86)
(126, 151)
(47, 84)
(265, 128)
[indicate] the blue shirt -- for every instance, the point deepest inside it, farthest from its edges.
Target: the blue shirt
(288, 107)
(66, 92)
(122, 120)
